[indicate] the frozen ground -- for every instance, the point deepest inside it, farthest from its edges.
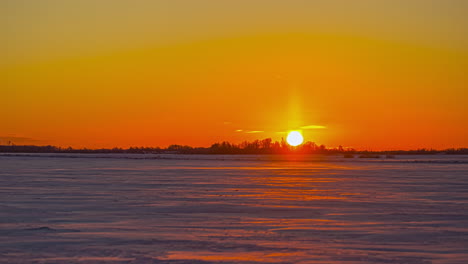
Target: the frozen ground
(76, 208)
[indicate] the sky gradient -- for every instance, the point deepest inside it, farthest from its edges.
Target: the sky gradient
(364, 74)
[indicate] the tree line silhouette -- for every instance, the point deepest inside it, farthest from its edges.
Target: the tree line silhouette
(265, 146)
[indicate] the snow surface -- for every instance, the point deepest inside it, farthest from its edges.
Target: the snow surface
(117, 208)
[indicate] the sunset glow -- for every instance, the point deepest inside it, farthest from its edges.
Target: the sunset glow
(154, 73)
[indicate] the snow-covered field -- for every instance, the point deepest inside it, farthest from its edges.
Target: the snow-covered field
(78, 208)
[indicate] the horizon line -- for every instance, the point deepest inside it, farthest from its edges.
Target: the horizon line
(171, 147)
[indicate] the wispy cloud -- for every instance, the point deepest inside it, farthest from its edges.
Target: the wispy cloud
(313, 127)
(254, 131)
(239, 130)
(18, 140)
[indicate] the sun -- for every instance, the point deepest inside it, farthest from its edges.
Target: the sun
(294, 138)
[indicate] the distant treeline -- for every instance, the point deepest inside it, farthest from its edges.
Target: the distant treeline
(265, 146)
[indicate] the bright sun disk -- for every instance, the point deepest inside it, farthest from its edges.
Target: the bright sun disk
(294, 138)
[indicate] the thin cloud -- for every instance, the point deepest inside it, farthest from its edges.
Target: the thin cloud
(239, 130)
(253, 132)
(18, 140)
(313, 127)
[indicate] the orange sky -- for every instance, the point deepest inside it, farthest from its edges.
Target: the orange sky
(364, 74)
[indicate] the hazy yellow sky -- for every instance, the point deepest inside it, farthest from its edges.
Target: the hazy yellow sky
(366, 74)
